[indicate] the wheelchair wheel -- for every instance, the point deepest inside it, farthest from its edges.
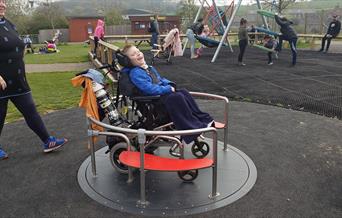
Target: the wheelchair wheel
(114, 154)
(200, 149)
(188, 175)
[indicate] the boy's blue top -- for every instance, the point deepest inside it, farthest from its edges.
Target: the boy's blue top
(144, 82)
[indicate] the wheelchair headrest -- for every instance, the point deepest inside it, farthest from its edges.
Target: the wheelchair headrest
(123, 60)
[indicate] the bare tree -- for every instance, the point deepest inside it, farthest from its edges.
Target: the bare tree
(279, 5)
(187, 10)
(16, 7)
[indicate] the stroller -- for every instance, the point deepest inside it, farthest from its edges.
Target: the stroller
(128, 109)
(171, 45)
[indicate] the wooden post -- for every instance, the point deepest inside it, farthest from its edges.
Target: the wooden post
(305, 22)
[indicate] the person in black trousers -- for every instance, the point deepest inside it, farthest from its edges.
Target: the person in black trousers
(243, 40)
(288, 34)
(333, 31)
(14, 86)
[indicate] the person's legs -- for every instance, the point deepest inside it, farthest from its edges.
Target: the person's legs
(196, 111)
(96, 42)
(293, 44)
(242, 45)
(328, 43)
(191, 38)
(181, 114)
(280, 44)
(323, 42)
(26, 106)
(269, 54)
(154, 40)
(3, 111)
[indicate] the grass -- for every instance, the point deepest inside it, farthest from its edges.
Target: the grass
(69, 53)
(51, 91)
(142, 47)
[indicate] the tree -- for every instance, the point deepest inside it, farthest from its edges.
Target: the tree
(279, 5)
(47, 17)
(113, 17)
(187, 10)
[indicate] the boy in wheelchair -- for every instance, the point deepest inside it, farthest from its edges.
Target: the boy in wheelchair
(181, 108)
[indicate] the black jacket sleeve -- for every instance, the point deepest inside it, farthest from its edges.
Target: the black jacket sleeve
(336, 30)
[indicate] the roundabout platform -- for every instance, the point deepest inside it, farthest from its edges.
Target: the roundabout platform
(166, 193)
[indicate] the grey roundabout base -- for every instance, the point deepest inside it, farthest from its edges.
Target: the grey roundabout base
(166, 193)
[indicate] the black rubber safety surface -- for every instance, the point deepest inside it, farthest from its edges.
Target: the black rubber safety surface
(166, 193)
(313, 85)
(298, 157)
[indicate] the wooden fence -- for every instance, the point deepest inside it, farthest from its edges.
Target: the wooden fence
(105, 49)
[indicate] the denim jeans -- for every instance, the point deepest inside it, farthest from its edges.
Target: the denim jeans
(191, 37)
(154, 40)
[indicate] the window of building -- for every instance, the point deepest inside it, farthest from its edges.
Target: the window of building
(138, 25)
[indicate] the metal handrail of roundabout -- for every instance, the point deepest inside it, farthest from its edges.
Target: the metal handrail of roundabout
(142, 133)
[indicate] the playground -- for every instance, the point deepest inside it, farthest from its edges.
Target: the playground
(297, 154)
(258, 138)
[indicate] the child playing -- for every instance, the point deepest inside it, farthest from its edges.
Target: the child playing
(270, 43)
(205, 33)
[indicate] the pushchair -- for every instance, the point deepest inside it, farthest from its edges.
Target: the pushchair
(171, 45)
(135, 111)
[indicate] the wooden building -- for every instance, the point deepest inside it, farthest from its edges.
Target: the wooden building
(81, 27)
(140, 24)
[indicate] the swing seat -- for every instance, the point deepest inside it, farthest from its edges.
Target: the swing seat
(266, 13)
(210, 43)
(264, 48)
(269, 32)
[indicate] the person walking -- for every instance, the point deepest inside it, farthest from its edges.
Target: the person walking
(333, 31)
(288, 34)
(243, 40)
(14, 86)
(195, 29)
(154, 30)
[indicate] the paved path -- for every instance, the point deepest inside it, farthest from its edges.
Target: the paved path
(30, 68)
(297, 155)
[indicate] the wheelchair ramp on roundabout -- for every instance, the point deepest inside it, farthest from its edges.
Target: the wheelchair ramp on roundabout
(166, 193)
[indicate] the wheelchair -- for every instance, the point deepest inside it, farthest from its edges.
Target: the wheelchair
(144, 112)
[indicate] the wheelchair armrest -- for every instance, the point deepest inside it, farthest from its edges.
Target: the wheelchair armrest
(145, 98)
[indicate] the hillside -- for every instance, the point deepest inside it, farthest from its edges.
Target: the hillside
(96, 7)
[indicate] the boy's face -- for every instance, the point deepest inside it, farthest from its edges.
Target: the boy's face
(136, 56)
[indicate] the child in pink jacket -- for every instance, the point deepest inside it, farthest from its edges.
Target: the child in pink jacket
(98, 34)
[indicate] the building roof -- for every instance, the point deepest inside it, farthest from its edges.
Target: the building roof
(137, 12)
(84, 17)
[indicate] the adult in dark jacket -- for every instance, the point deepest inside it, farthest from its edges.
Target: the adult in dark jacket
(288, 34)
(14, 86)
(333, 31)
(181, 107)
(154, 29)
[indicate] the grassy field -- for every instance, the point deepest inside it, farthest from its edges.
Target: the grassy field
(51, 91)
(70, 53)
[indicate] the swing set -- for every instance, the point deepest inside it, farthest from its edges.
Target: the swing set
(221, 22)
(217, 19)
